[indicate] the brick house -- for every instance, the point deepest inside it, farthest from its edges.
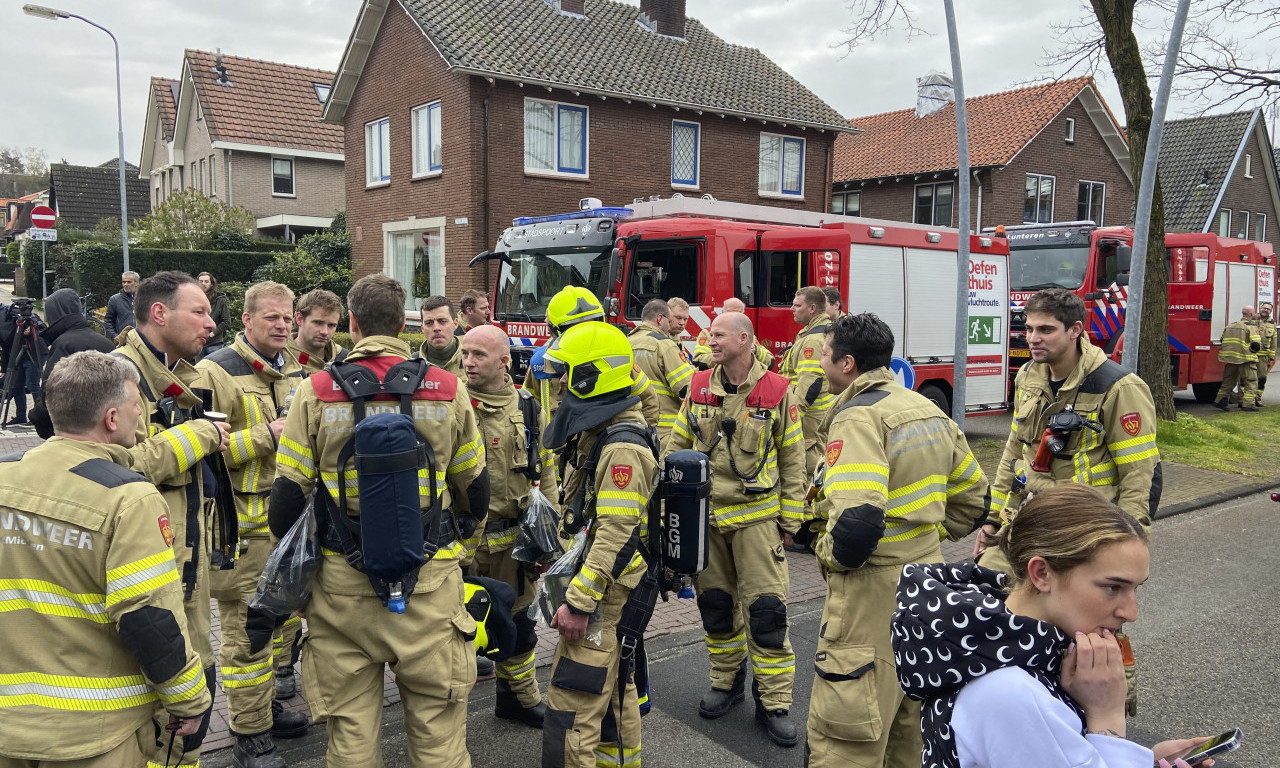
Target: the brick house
(1048, 152)
(246, 133)
(1218, 175)
(468, 114)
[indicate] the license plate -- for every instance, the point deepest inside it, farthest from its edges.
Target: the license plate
(1019, 353)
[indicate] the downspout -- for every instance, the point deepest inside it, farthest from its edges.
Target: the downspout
(230, 199)
(977, 224)
(826, 205)
(484, 203)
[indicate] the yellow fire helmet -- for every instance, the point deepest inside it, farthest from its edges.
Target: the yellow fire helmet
(572, 305)
(596, 356)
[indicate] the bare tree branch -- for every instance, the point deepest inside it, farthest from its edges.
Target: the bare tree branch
(875, 17)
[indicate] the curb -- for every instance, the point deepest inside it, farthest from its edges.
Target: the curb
(1214, 498)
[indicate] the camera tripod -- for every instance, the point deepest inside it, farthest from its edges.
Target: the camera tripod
(25, 348)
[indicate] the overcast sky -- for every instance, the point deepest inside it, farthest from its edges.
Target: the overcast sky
(60, 75)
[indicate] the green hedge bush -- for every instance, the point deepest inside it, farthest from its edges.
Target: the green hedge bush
(97, 266)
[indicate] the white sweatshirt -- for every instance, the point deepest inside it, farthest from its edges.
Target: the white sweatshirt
(1030, 727)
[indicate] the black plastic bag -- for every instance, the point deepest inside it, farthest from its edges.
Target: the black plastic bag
(285, 584)
(539, 537)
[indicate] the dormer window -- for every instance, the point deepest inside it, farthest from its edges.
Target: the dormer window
(322, 91)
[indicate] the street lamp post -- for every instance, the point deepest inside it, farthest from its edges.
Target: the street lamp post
(54, 14)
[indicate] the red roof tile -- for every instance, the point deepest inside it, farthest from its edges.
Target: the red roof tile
(162, 90)
(1000, 125)
(265, 103)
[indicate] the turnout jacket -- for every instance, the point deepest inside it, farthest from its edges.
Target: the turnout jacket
(252, 393)
(616, 510)
(506, 452)
(306, 361)
(898, 478)
(769, 437)
(453, 364)
(666, 368)
(322, 421)
(802, 365)
(90, 605)
(1266, 331)
(1241, 343)
(1121, 461)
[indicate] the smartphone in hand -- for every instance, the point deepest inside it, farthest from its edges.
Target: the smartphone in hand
(1220, 744)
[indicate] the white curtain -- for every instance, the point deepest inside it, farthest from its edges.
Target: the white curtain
(573, 133)
(539, 135)
(792, 165)
(770, 164)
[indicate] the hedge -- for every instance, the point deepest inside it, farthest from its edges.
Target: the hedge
(414, 340)
(97, 266)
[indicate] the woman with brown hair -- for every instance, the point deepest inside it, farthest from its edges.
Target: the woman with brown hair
(220, 313)
(1027, 671)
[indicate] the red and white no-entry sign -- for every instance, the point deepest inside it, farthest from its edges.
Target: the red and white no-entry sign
(42, 216)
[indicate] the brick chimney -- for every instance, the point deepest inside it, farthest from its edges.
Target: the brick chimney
(667, 15)
(573, 6)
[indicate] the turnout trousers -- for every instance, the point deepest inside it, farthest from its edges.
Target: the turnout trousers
(858, 715)
(248, 675)
(583, 726)
(742, 597)
(1244, 374)
(431, 650)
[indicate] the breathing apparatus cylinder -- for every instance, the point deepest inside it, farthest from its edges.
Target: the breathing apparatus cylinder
(686, 529)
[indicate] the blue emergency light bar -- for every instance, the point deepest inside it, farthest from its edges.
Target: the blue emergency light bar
(590, 213)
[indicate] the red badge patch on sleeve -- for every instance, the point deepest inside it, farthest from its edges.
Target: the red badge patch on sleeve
(166, 530)
(1132, 422)
(795, 413)
(621, 475)
(833, 451)
(808, 352)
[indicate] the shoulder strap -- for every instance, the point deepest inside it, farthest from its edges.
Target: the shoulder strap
(768, 391)
(659, 336)
(1102, 378)
(529, 410)
(229, 360)
(5, 458)
(357, 382)
(817, 329)
(403, 379)
(106, 473)
(700, 388)
(142, 379)
(869, 397)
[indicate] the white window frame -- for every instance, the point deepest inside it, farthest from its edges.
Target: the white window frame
(1070, 136)
(783, 193)
(558, 169)
(422, 165)
(1260, 227)
(325, 87)
(293, 177)
(1053, 197)
(409, 226)
(1092, 184)
(382, 166)
(1248, 166)
(213, 178)
(933, 206)
(1224, 224)
(697, 155)
(1243, 220)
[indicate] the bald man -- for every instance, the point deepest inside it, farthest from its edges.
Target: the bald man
(702, 352)
(742, 416)
(516, 465)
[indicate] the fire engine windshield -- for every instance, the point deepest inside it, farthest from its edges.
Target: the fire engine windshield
(1036, 268)
(533, 277)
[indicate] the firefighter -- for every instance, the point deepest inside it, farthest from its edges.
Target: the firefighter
(835, 307)
(590, 681)
(441, 347)
(1238, 354)
(802, 365)
(1267, 350)
(661, 361)
(173, 324)
(473, 311)
(898, 477)
(702, 353)
(1078, 418)
(679, 318)
(93, 618)
(517, 463)
(316, 318)
(745, 419)
(572, 305)
(252, 381)
(351, 636)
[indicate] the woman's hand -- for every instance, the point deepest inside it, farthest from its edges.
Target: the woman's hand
(1176, 747)
(1093, 673)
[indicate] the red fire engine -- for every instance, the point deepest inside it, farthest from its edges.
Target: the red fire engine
(706, 251)
(1210, 279)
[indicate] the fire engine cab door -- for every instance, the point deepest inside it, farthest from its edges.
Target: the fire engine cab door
(790, 259)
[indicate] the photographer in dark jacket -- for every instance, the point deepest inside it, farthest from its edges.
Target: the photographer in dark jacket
(68, 332)
(220, 313)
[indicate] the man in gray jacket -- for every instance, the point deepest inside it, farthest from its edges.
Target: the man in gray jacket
(120, 307)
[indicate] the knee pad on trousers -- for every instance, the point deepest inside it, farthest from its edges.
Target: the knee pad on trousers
(526, 633)
(767, 619)
(716, 607)
(1262, 383)
(555, 724)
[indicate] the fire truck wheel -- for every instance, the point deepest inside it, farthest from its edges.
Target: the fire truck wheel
(1206, 391)
(939, 398)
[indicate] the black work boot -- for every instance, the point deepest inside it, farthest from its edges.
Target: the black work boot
(717, 702)
(287, 724)
(778, 724)
(1222, 405)
(286, 684)
(256, 751)
(484, 668)
(507, 707)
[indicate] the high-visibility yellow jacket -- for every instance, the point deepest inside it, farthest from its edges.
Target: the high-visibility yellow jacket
(506, 451)
(616, 507)
(253, 393)
(802, 365)
(894, 459)
(312, 363)
(666, 368)
(1121, 461)
(1267, 337)
(90, 605)
(322, 421)
(1240, 343)
(767, 440)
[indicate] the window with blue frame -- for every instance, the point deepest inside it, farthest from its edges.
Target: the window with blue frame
(781, 165)
(428, 156)
(686, 146)
(555, 138)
